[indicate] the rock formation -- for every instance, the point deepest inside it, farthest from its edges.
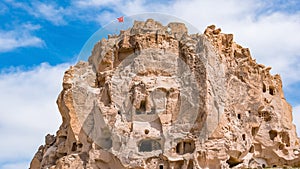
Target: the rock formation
(157, 97)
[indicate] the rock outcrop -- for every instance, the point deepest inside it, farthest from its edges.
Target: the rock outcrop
(157, 97)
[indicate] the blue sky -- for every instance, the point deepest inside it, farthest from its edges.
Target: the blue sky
(39, 40)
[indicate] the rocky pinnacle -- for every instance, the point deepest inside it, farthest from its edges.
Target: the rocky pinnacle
(157, 97)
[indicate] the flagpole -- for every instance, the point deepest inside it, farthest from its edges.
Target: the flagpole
(120, 19)
(116, 30)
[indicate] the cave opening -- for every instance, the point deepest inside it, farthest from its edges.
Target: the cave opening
(244, 137)
(272, 90)
(74, 147)
(233, 162)
(264, 88)
(254, 130)
(142, 108)
(272, 134)
(149, 145)
(183, 147)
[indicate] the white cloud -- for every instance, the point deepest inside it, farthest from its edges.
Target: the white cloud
(296, 118)
(94, 3)
(19, 37)
(105, 17)
(3, 8)
(15, 165)
(50, 12)
(28, 110)
(103, 12)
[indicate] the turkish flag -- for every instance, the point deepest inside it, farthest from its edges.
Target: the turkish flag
(121, 19)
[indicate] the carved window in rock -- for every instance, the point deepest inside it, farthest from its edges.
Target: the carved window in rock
(183, 147)
(285, 138)
(265, 115)
(142, 108)
(264, 88)
(149, 145)
(154, 103)
(273, 134)
(272, 90)
(158, 100)
(254, 131)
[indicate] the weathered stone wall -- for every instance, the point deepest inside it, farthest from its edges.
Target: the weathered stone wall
(156, 97)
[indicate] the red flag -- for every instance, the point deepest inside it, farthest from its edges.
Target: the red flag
(121, 19)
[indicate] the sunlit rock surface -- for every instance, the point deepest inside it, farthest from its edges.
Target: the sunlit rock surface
(155, 96)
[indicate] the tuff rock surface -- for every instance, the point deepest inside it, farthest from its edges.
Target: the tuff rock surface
(156, 97)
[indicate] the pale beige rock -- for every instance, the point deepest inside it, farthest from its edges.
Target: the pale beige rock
(156, 97)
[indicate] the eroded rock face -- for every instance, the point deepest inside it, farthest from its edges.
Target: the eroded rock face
(156, 97)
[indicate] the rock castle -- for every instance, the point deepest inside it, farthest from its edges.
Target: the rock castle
(156, 97)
